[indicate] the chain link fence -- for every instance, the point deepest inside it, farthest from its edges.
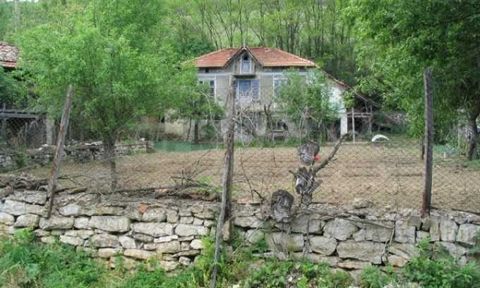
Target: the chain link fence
(160, 159)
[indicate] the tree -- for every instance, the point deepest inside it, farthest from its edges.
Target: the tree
(399, 39)
(12, 91)
(116, 79)
(195, 101)
(307, 102)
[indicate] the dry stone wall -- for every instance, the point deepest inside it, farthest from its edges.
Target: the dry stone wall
(138, 227)
(79, 153)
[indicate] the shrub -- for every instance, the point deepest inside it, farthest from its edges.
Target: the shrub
(373, 277)
(25, 263)
(301, 274)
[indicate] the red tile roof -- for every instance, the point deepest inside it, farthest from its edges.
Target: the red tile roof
(267, 57)
(8, 55)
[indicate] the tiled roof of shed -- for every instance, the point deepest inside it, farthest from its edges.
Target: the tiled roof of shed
(8, 55)
(267, 57)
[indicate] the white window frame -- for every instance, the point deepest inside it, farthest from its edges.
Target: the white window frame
(207, 80)
(250, 64)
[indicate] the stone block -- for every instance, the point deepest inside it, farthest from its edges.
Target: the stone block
(404, 233)
(364, 251)
(127, 242)
(168, 247)
(142, 237)
(397, 261)
(323, 245)
(19, 208)
(248, 222)
(56, 222)
(81, 223)
(75, 241)
(196, 244)
(253, 235)
(110, 223)
(153, 229)
(186, 220)
(467, 233)
(32, 197)
(190, 230)
(340, 229)
(300, 223)
(108, 252)
(406, 251)
(83, 234)
(70, 210)
(27, 220)
(6, 219)
(285, 242)
(155, 215)
(448, 230)
(104, 240)
(166, 239)
(138, 254)
(172, 216)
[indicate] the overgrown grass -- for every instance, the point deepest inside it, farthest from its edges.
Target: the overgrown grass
(27, 263)
(432, 268)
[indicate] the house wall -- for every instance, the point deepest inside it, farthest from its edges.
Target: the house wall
(266, 76)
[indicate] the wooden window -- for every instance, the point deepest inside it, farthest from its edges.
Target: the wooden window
(278, 82)
(248, 90)
(246, 65)
(211, 85)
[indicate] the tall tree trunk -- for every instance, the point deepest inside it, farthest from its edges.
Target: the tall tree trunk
(109, 147)
(473, 137)
(196, 132)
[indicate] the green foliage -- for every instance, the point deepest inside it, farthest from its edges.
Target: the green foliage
(434, 267)
(302, 274)
(12, 91)
(397, 40)
(307, 102)
(373, 277)
(25, 263)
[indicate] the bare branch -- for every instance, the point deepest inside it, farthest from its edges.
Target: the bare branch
(327, 160)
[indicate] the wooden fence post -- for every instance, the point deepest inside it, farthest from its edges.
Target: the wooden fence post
(428, 142)
(57, 159)
(225, 208)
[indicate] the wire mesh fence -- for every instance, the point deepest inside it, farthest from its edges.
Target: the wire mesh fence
(382, 173)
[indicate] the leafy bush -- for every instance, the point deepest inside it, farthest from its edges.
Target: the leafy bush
(25, 263)
(373, 277)
(302, 274)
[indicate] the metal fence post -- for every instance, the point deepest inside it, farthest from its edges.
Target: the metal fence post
(428, 144)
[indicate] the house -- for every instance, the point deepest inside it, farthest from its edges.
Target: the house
(257, 73)
(19, 127)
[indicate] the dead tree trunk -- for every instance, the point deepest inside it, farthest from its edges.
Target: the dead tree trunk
(57, 160)
(225, 208)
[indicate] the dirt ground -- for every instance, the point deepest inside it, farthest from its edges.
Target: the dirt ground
(385, 175)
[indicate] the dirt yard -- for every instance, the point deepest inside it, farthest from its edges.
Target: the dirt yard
(384, 175)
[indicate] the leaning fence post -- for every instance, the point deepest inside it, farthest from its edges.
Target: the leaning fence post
(57, 159)
(428, 144)
(225, 208)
